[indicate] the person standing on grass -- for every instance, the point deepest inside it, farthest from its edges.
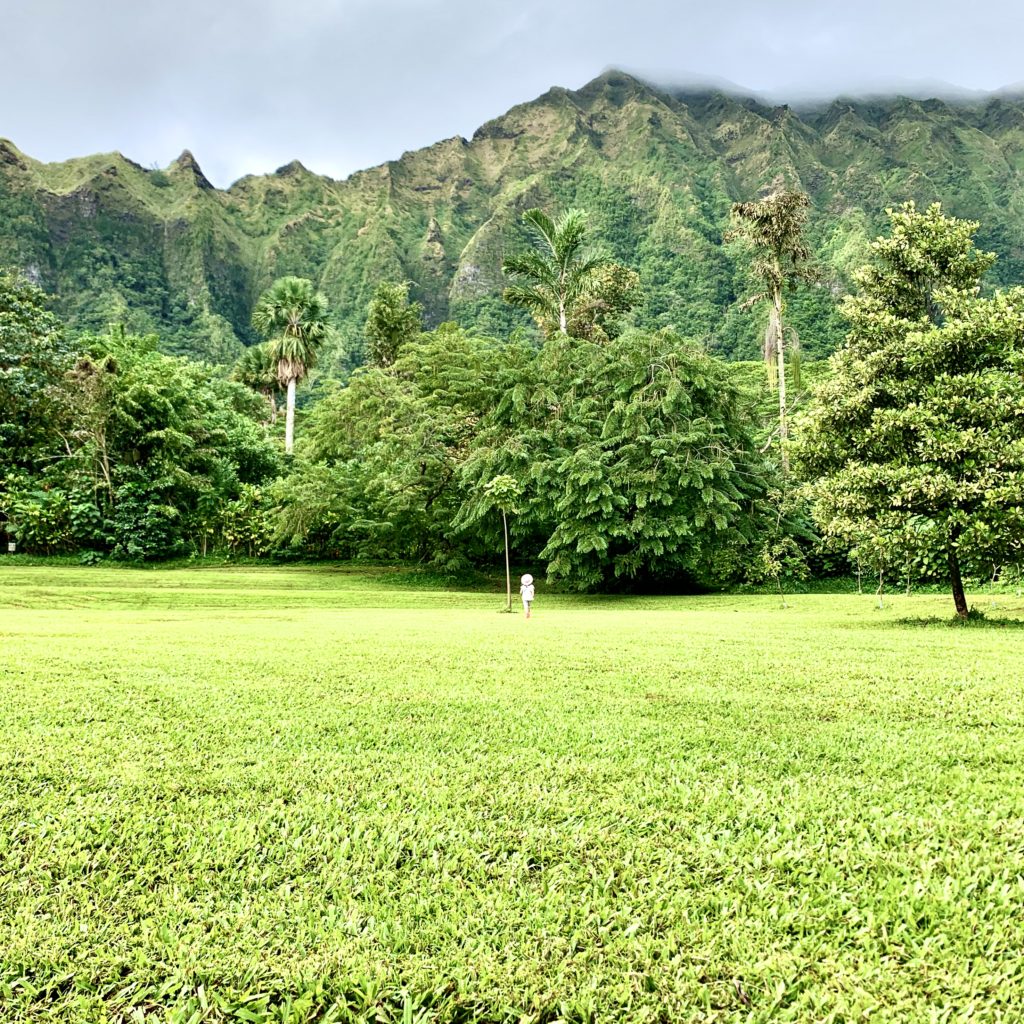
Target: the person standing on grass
(526, 592)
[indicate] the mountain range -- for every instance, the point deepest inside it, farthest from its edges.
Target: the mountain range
(161, 249)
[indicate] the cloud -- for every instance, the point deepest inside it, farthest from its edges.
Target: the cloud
(248, 85)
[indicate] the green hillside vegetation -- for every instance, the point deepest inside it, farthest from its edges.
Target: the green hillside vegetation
(163, 251)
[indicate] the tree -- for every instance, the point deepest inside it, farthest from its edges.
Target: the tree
(774, 226)
(391, 321)
(294, 317)
(390, 446)
(558, 274)
(503, 492)
(151, 446)
(636, 456)
(915, 443)
(33, 357)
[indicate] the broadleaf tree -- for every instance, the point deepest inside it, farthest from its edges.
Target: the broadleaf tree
(636, 457)
(392, 321)
(915, 442)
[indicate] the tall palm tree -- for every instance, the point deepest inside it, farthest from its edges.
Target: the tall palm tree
(553, 277)
(774, 227)
(293, 315)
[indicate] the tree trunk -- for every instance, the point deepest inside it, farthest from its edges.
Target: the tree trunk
(508, 569)
(780, 350)
(562, 320)
(959, 598)
(289, 422)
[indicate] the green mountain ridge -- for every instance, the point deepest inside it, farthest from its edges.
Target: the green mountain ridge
(164, 250)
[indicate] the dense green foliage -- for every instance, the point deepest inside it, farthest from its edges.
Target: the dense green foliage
(634, 459)
(915, 440)
(658, 170)
(690, 810)
(34, 353)
(391, 321)
(114, 447)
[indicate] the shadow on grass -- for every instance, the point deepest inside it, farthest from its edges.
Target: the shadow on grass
(976, 619)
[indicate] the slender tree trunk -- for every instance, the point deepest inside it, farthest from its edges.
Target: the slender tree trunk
(780, 351)
(959, 598)
(508, 568)
(271, 407)
(289, 422)
(563, 323)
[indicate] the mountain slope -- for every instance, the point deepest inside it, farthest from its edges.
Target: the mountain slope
(164, 250)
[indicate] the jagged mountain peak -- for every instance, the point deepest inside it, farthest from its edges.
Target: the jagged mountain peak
(10, 154)
(186, 163)
(657, 168)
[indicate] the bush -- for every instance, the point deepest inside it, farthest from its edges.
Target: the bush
(41, 522)
(247, 524)
(146, 527)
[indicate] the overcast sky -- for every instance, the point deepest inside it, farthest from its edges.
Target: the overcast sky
(248, 85)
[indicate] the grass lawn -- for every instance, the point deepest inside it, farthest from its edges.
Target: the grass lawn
(301, 794)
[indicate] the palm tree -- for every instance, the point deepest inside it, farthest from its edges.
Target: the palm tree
(294, 317)
(552, 278)
(774, 227)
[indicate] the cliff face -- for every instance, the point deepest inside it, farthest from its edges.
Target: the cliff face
(163, 250)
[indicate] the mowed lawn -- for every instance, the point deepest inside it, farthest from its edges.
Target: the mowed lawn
(297, 794)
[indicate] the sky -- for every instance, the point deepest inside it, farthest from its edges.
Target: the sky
(249, 85)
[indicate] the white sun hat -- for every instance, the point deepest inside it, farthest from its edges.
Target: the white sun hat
(526, 580)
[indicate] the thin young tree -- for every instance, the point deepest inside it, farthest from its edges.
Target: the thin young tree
(502, 492)
(551, 279)
(774, 227)
(293, 315)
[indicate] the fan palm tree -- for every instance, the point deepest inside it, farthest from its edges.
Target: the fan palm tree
(293, 315)
(774, 227)
(552, 278)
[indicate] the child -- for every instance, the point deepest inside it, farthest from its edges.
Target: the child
(526, 593)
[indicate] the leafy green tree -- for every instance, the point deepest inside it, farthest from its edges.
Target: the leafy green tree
(637, 460)
(293, 316)
(391, 322)
(599, 313)
(152, 446)
(916, 440)
(501, 492)
(383, 478)
(774, 227)
(33, 357)
(556, 277)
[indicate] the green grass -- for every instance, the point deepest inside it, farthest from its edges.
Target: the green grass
(301, 794)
